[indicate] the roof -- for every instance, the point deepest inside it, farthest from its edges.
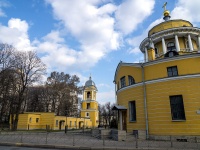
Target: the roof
(119, 107)
(89, 83)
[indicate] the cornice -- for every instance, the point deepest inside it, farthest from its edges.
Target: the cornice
(159, 80)
(168, 59)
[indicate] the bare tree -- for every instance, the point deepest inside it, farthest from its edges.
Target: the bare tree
(64, 92)
(6, 59)
(36, 99)
(7, 81)
(108, 117)
(28, 69)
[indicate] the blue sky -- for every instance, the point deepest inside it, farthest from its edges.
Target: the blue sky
(86, 37)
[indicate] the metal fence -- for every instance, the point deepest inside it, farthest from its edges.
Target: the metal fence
(87, 139)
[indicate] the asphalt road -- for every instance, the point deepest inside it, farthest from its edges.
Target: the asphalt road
(22, 148)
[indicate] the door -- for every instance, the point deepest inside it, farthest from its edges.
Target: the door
(124, 114)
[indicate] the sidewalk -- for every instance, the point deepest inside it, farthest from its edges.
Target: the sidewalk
(60, 140)
(78, 147)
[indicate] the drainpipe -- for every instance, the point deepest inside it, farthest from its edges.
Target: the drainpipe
(145, 102)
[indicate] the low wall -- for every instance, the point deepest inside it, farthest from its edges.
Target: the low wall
(175, 138)
(114, 134)
(118, 135)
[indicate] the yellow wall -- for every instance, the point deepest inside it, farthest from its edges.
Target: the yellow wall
(32, 121)
(159, 70)
(159, 111)
(49, 119)
(157, 95)
(23, 121)
(133, 94)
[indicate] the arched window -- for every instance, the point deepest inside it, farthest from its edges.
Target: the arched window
(123, 81)
(131, 80)
(88, 95)
(171, 46)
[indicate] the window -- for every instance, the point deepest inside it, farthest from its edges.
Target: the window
(171, 46)
(87, 114)
(131, 80)
(88, 105)
(132, 111)
(156, 50)
(88, 95)
(123, 82)
(30, 120)
(177, 107)
(56, 123)
(70, 123)
(37, 120)
(172, 71)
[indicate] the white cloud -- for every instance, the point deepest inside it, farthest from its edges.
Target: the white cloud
(104, 85)
(187, 10)
(92, 27)
(16, 34)
(132, 12)
(2, 5)
(104, 97)
(135, 41)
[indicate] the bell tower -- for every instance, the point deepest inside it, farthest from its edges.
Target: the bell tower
(89, 105)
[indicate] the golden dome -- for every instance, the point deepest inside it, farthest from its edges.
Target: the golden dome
(166, 13)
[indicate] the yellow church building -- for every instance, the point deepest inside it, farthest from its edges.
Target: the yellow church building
(160, 97)
(48, 120)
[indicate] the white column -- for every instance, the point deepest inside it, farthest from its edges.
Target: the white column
(177, 43)
(198, 40)
(120, 119)
(190, 43)
(164, 46)
(146, 55)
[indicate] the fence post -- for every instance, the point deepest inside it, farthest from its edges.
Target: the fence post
(136, 142)
(171, 141)
(103, 140)
(46, 137)
(65, 129)
(73, 140)
(22, 137)
(195, 139)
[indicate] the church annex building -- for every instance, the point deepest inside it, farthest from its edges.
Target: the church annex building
(89, 115)
(161, 96)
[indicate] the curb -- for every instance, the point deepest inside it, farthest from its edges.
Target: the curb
(66, 147)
